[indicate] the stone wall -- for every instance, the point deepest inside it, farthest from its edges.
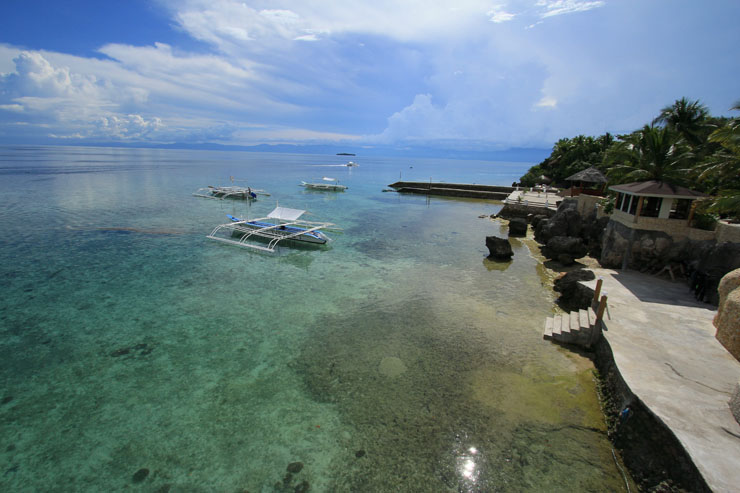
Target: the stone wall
(727, 319)
(703, 261)
(587, 204)
(643, 247)
(654, 456)
(511, 209)
(728, 232)
(676, 228)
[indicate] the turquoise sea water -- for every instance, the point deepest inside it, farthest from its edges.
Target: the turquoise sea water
(136, 354)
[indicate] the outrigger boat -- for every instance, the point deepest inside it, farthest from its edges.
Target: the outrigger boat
(281, 224)
(351, 164)
(229, 192)
(331, 184)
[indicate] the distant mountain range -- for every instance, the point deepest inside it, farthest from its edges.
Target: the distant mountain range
(532, 155)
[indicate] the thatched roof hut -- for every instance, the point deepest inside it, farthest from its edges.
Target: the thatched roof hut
(588, 175)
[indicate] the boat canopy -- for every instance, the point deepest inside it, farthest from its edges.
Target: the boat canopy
(285, 214)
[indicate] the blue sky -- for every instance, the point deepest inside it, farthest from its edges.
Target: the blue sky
(467, 74)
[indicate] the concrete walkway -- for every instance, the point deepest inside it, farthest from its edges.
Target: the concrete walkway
(664, 346)
(535, 199)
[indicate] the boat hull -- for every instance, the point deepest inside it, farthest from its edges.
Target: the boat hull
(232, 195)
(314, 237)
(321, 186)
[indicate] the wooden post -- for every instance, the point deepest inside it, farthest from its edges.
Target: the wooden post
(597, 290)
(692, 209)
(602, 307)
(639, 208)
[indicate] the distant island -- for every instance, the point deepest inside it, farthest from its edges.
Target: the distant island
(345, 154)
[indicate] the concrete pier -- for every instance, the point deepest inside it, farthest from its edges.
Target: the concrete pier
(663, 345)
(490, 192)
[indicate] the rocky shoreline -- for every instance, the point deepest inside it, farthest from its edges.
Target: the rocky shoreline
(651, 452)
(655, 459)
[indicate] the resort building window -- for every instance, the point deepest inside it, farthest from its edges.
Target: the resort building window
(626, 203)
(651, 206)
(680, 209)
(633, 205)
(620, 199)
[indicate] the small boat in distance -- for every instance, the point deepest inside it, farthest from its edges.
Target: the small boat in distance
(281, 224)
(330, 184)
(229, 192)
(351, 164)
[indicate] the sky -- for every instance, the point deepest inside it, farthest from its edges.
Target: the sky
(463, 74)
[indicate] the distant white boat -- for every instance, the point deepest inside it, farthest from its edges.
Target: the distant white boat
(331, 184)
(351, 164)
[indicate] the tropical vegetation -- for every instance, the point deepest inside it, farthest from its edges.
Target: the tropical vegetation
(683, 145)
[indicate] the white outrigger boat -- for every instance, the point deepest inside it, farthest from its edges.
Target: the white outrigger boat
(281, 224)
(229, 192)
(351, 164)
(331, 184)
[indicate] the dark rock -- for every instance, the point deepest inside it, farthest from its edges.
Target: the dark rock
(295, 467)
(120, 352)
(569, 203)
(360, 453)
(7, 399)
(721, 259)
(141, 475)
(566, 259)
(566, 222)
(593, 233)
(517, 227)
(303, 487)
(573, 294)
(536, 219)
(567, 280)
(568, 245)
(499, 248)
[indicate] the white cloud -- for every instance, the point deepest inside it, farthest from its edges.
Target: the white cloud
(127, 127)
(12, 107)
(552, 8)
(51, 95)
(547, 102)
(388, 71)
(497, 15)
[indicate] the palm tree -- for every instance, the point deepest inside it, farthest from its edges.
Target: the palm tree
(651, 153)
(688, 118)
(723, 167)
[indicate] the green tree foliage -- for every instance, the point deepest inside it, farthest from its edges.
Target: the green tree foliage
(721, 169)
(569, 156)
(683, 145)
(687, 118)
(651, 153)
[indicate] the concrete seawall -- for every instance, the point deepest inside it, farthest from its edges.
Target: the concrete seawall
(661, 358)
(489, 192)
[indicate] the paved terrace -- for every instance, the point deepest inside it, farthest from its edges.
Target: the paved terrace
(664, 346)
(534, 199)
